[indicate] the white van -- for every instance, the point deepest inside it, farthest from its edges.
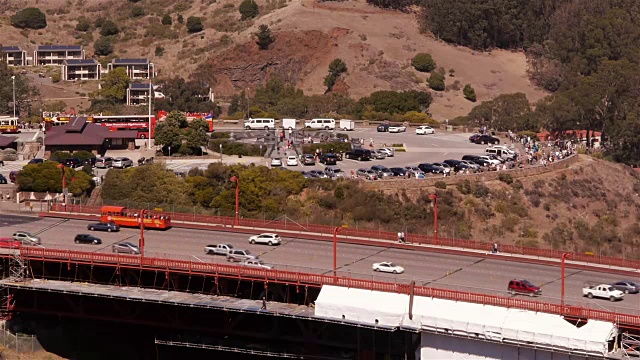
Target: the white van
(501, 152)
(327, 124)
(256, 124)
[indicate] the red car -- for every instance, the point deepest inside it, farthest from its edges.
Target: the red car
(10, 243)
(523, 287)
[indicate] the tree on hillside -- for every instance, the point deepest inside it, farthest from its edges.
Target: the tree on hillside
(336, 68)
(436, 81)
(137, 11)
(248, 9)
(264, 37)
(503, 113)
(109, 28)
(103, 46)
(394, 102)
(83, 24)
(194, 24)
(402, 5)
(166, 19)
(115, 84)
(423, 62)
(29, 18)
(469, 93)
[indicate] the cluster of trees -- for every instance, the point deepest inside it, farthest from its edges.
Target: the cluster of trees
(25, 93)
(278, 99)
(176, 135)
(187, 96)
(48, 177)
(29, 18)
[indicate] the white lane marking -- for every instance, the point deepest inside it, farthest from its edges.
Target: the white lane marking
(197, 258)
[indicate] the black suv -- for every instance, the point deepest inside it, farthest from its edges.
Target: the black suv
(398, 171)
(3, 180)
(431, 169)
(457, 165)
(329, 159)
(383, 128)
(72, 162)
(486, 139)
(359, 154)
(87, 239)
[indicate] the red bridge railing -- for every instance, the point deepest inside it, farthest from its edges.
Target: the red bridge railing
(326, 230)
(290, 277)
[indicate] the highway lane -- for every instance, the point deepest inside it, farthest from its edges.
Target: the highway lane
(464, 273)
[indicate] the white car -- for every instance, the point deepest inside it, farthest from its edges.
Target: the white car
(424, 130)
(266, 238)
(292, 161)
(492, 161)
(388, 267)
(397, 129)
(276, 162)
(257, 263)
(389, 151)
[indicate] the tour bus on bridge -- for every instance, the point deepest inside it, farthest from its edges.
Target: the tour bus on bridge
(131, 218)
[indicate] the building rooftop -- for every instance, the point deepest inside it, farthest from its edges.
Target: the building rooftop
(80, 132)
(11, 48)
(80, 62)
(59, 47)
(139, 86)
(130, 61)
(7, 140)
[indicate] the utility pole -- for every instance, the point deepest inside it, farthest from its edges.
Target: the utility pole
(13, 80)
(150, 92)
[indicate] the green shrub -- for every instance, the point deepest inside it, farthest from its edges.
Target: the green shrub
(109, 28)
(505, 178)
(83, 24)
(248, 9)
(436, 81)
(180, 19)
(469, 93)
(29, 18)
(423, 62)
(326, 147)
(137, 11)
(440, 185)
(56, 77)
(159, 51)
(194, 24)
(103, 46)
(264, 37)
(166, 19)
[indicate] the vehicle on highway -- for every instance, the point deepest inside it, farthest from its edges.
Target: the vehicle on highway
(383, 128)
(398, 171)
(627, 286)
(329, 159)
(237, 255)
(10, 243)
(326, 124)
(319, 174)
(266, 238)
(72, 163)
(388, 267)
(104, 162)
(292, 161)
(367, 174)
(359, 154)
(36, 161)
(485, 139)
(308, 159)
(122, 163)
(276, 162)
(382, 171)
(257, 263)
(335, 173)
(424, 130)
(397, 128)
(126, 217)
(604, 291)
(87, 239)
(126, 248)
(27, 238)
(378, 155)
(104, 226)
(523, 287)
(220, 249)
(389, 151)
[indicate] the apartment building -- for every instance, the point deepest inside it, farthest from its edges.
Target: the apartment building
(78, 69)
(57, 54)
(14, 56)
(136, 68)
(138, 94)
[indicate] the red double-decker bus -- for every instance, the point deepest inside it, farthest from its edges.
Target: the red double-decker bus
(131, 218)
(128, 122)
(208, 117)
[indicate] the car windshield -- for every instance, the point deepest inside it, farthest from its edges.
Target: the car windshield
(527, 283)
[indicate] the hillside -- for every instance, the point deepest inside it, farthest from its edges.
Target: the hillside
(376, 44)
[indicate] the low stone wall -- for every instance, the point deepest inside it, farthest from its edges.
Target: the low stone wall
(418, 184)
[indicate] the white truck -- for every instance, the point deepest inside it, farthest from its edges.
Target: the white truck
(220, 249)
(347, 125)
(604, 291)
(289, 124)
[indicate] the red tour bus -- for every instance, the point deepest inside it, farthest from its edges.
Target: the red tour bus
(208, 117)
(128, 122)
(126, 217)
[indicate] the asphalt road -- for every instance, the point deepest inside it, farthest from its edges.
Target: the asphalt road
(464, 273)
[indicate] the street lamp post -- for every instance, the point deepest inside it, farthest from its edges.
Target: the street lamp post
(13, 80)
(434, 197)
(220, 153)
(150, 93)
(564, 257)
(237, 181)
(141, 243)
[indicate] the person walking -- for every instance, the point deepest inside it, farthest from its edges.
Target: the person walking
(264, 303)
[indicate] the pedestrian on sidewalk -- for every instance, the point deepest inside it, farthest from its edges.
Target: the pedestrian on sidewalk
(264, 303)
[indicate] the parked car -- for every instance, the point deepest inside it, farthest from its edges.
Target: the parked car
(308, 175)
(3, 180)
(308, 159)
(319, 174)
(87, 239)
(485, 139)
(382, 171)
(359, 154)
(389, 151)
(10, 243)
(397, 129)
(334, 172)
(414, 171)
(276, 162)
(104, 162)
(428, 168)
(27, 238)
(604, 291)
(104, 226)
(494, 160)
(627, 286)
(473, 137)
(368, 174)
(378, 155)
(424, 130)
(472, 166)
(257, 263)
(398, 171)
(523, 287)
(125, 247)
(388, 267)
(292, 161)
(237, 255)
(383, 128)
(457, 165)
(36, 161)
(266, 238)
(478, 160)
(446, 167)
(329, 159)
(73, 163)
(220, 249)
(90, 161)
(122, 162)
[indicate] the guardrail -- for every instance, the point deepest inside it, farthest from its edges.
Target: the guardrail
(299, 278)
(326, 230)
